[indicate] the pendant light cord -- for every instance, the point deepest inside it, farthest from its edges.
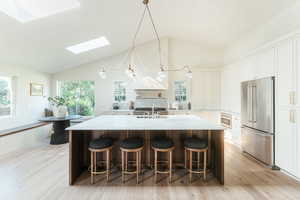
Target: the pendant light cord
(147, 9)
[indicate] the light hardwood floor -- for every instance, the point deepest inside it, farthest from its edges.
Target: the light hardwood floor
(43, 174)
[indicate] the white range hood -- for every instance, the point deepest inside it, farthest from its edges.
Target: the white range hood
(148, 83)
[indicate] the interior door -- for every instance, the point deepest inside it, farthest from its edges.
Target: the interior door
(263, 104)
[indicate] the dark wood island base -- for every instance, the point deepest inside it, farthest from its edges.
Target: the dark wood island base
(80, 156)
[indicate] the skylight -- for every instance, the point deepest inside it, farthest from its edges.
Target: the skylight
(89, 45)
(28, 10)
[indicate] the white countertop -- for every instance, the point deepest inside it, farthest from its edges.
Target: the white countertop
(131, 122)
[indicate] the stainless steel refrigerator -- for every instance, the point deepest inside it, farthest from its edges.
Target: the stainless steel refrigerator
(258, 120)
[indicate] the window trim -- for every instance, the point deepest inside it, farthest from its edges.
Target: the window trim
(114, 89)
(11, 105)
(174, 91)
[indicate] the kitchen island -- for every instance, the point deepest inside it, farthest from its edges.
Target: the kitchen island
(119, 127)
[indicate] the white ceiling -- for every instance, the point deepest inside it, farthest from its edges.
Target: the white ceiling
(41, 44)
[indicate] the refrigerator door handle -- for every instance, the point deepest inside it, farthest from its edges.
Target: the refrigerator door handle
(249, 101)
(254, 103)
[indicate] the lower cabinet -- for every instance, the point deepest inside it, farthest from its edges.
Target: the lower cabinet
(297, 117)
(287, 154)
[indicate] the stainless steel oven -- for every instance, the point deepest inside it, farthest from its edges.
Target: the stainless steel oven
(226, 120)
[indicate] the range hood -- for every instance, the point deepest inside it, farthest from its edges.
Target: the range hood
(148, 83)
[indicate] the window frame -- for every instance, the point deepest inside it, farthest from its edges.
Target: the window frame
(175, 90)
(114, 91)
(11, 106)
(59, 84)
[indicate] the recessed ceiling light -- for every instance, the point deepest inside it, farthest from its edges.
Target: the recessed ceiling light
(28, 10)
(89, 45)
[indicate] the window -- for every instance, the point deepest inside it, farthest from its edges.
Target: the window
(180, 91)
(79, 95)
(119, 91)
(5, 97)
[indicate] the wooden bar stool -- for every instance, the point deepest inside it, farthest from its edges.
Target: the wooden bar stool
(195, 145)
(101, 145)
(131, 145)
(165, 145)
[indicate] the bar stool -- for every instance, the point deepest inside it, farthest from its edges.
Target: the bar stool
(195, 145)
(101, 145)
(164, 145)
(131, 145)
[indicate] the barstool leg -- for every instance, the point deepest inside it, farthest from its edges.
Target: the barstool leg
(107, 165)
(137, 167)
(155, 166)
(126, 160)
(204, 166)
(171, 161)
(92, 167)
(198, 160)
(122, 155)
(140, 160)
(191, 166)
(185, 159)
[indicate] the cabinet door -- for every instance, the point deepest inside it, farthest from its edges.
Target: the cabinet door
(297, 118)
(285, 73)
(297, 71)
(285, 141)
(265, 64)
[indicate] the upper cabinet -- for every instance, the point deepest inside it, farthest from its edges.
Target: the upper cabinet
(285, 73)
(265, 64)
(297, 72)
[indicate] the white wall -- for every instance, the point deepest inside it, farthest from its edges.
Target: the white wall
(28, 108)
(279, 26)
(252, 56)
(205, 87)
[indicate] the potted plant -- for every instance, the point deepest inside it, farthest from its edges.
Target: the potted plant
(59, 105)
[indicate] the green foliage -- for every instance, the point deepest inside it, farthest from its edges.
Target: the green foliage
(4, 93)
(79, 96)
(57, 101)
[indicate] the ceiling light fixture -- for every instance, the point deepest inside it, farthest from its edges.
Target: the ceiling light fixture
(28, 10)
(89, 45)
(162, 74)
(102, 73)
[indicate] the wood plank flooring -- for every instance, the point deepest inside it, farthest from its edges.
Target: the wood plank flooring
(42, 174)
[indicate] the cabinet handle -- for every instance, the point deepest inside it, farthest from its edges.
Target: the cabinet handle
(294, 114)
(294, 98)
(291, 116)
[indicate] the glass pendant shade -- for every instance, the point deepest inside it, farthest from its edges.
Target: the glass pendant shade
(102, 74)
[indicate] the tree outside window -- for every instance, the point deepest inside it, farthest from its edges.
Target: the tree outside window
(180, 91)
(5, 96)
(119, 91)
(80, 96)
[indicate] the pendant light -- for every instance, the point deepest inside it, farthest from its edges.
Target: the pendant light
(162, 74)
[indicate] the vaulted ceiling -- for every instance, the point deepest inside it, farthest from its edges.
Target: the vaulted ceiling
(41, 44)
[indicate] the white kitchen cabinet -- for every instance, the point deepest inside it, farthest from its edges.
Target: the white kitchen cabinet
(297, 71)
(265, 64)
(285, 73)
(297, 119)
(285, 141)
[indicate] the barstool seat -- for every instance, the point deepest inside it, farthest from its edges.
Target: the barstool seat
(101, 143)
(132, 143)
(162, 143)
(195, 143)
